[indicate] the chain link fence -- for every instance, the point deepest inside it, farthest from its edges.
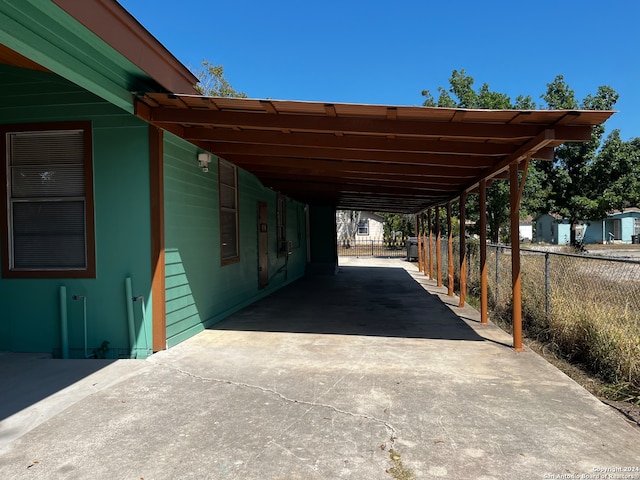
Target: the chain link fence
(586, 307)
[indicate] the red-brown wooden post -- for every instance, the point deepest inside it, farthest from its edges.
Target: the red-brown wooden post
(438, 250)
(449, 252)
(484, 272)
(418, 228)
(463, 249)
(424, 243)
(430, 246)
(516, 281)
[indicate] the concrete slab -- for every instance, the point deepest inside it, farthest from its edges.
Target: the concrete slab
(368, 374)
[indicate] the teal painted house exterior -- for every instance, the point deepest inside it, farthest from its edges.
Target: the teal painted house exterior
(56, 74)
(619, 227)
(550, 229)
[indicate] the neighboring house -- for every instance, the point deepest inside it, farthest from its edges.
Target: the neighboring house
(552, 229)
(351, 225)
(526, 229)
(619, 227)
(370, 227)
(102, 213)
(616, 227)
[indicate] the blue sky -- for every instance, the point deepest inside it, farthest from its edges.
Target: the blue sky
(387, 52)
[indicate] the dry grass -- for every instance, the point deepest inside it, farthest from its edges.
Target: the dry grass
(591, 318)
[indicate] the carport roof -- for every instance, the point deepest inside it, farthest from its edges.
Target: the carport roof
(366, 157)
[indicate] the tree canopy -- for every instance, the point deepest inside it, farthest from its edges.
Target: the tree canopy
(585, 180)
(213, 82)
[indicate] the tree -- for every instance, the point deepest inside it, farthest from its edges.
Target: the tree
(617, 169)
(395, 223)
(212, 82)
(347, 225)
(464, 96)
(565, 186)
(573, 193)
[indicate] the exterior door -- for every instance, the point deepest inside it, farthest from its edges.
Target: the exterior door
(263, 245)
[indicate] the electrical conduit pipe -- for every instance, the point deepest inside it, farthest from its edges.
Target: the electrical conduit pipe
(130, 318)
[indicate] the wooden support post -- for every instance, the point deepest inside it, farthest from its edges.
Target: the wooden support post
(430, 246)
(463, 249)
(516, 283)
(424, 244)
(484, 271)
(438, 250)
(449, 252)
(418, 228)
(158, 292)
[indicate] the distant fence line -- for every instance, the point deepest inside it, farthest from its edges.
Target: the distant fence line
(372, 248)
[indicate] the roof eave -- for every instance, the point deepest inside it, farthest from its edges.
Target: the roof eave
(119, 29)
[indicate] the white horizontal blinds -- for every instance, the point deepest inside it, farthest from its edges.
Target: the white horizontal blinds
(47, 200)
(228, 210)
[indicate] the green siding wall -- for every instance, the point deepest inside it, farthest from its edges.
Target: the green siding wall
(43, 32)
(199, 291)
(30, 307)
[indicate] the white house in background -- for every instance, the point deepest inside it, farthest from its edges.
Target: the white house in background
(370, 227)
(526, 229)
(351, 225)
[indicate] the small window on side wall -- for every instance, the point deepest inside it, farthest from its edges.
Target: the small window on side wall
(229, 230)
(363, 227)
(48, 199)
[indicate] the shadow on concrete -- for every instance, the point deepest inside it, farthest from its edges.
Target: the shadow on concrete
(27, 378)
(375, 301)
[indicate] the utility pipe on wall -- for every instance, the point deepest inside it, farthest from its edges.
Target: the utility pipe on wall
(64, 330)
(84, 319)
(130, 319)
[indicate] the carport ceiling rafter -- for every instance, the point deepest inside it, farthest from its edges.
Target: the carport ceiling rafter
(366, 157)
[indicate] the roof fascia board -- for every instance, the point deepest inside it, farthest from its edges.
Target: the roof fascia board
(119, 29)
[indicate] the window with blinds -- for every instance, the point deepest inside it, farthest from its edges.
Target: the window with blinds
(228, 188)
(47, 200)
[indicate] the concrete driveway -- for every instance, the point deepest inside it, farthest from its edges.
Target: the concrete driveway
(370, 374)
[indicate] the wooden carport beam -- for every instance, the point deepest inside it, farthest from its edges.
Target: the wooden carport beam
(548, 136)
(319, 123)
(417, 158)
(359, 142)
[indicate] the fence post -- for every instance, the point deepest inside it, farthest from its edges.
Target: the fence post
(547, 284)
(497, 273)
(372, 248)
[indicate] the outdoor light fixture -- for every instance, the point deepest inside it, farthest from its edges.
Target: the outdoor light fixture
(204, 159)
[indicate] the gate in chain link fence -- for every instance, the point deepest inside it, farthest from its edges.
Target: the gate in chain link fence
(372, 248)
